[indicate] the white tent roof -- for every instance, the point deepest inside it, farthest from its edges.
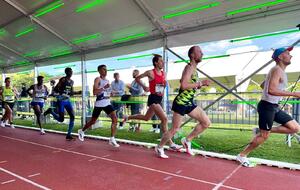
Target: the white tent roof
(56, 32)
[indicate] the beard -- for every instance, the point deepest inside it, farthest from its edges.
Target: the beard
(198, 60)
(287, 63)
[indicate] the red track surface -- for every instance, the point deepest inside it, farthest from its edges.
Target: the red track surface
(51, 162)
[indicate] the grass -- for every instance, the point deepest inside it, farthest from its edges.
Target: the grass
(215, 139)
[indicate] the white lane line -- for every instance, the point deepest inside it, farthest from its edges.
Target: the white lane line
(34, 175)
(179, 171)
(3, 161)
(119, 162)
(226, 178)
(105, 156)
(167, 178)
(24, 179)
(92, 159)
(9, 181)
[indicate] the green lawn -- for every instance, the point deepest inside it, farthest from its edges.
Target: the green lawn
(217, 139)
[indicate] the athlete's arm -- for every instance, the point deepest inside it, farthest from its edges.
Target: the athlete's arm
(96, 89)
(30, 89)
(59, 85)
(46, 93)
(185, 79)
(145, 74)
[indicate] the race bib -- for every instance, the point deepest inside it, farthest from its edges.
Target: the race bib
(159, 88)
(8, 98)
(40, 95)
(106, 92)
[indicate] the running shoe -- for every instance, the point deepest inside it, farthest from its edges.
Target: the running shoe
(187, 145)
(11, 125)
(175, 147)
(2, 124)
(42, 131)
(244, 161)
(70, 138)
(160, 152)
(81, 135)
(113, 142)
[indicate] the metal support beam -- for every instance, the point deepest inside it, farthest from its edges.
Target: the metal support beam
(3, 77)
(292, 8)
(166, 94)
(21, 16)
(245, 79)
(212, 79)
(142, 6)
(16, 53)
(84, 88)
(39, 22)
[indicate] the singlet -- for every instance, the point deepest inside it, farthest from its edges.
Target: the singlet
(8, 94)
(281, 86)
(66, 90)
(186, 97)
(157, 85)
(102, 99)
(39, 94)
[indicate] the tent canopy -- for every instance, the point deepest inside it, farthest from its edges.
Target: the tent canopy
(35, 32)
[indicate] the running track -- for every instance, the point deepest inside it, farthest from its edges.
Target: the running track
(31, 161)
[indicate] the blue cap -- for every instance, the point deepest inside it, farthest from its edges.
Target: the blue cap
(279, 51)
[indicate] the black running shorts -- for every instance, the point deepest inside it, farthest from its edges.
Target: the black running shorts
(268, 113)
(154, 99)
(97, 110)
(183, 109)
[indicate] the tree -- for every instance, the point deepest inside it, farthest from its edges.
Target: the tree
(27, 78)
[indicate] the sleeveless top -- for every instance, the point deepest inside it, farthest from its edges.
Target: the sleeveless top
(186, 97)
(66, 90)
(102, 99)
(157, 85)
(281, 86)
(39, 94)
(8, 94)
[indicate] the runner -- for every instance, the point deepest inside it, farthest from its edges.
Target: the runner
(102, 90)
(9, 95)
(268, 108)
(65, 90)
(184, 104)
(157, 84)
(39, 95)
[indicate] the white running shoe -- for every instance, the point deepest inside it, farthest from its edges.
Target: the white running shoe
(11, 125)
(42, 131)
(113, 142)
(187, 145)
(81, 135)
(175, 147)
(244, 161)
(2, 124)
(160, 152)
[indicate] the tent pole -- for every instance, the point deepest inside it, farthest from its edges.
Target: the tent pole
(84, 88)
